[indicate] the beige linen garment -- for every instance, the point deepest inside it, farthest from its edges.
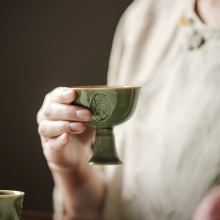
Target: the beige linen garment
(171, 145)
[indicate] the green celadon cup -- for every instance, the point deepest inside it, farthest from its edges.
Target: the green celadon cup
(11, 204)
(110, 106)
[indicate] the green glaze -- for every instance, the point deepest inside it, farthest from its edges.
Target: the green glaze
(110, 106)
(11, 204)
(104, 148)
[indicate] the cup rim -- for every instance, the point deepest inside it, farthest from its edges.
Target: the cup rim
(93, 87)
(16, 193)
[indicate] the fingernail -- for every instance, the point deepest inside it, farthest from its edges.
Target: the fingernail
(83, 114)
(67, 94)
(64, 137)
(74, 126)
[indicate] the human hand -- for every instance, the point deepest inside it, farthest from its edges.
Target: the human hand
(65, 138)
(209, 208)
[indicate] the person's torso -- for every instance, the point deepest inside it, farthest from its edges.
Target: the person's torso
(171, 145)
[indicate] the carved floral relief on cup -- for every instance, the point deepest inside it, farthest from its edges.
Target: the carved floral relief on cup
(101, 106)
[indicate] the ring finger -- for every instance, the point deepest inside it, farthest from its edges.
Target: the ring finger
(56, 128)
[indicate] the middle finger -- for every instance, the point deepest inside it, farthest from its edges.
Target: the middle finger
(56, 111)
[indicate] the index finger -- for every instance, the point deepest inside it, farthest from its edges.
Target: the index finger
(63, 95)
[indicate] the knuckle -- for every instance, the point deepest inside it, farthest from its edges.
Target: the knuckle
(69, 111)
(51, 148)
(47, 111)
(38, 117)
(62, 127)
(57, 94)
(41, 128)
(44, 110)
(48, 150)
(47, 97)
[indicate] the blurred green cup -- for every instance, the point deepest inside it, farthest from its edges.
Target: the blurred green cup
(11, 204)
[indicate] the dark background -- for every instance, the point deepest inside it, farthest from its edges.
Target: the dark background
(45, 44)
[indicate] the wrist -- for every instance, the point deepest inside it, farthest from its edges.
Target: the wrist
(82, 188)
(55, 168)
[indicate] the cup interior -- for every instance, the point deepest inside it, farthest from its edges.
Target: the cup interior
(10, 193)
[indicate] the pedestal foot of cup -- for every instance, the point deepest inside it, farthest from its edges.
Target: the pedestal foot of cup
(105, 152)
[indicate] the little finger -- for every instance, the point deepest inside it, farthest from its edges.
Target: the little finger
(55, 145)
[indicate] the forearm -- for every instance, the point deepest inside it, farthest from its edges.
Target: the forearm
(82, 189)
